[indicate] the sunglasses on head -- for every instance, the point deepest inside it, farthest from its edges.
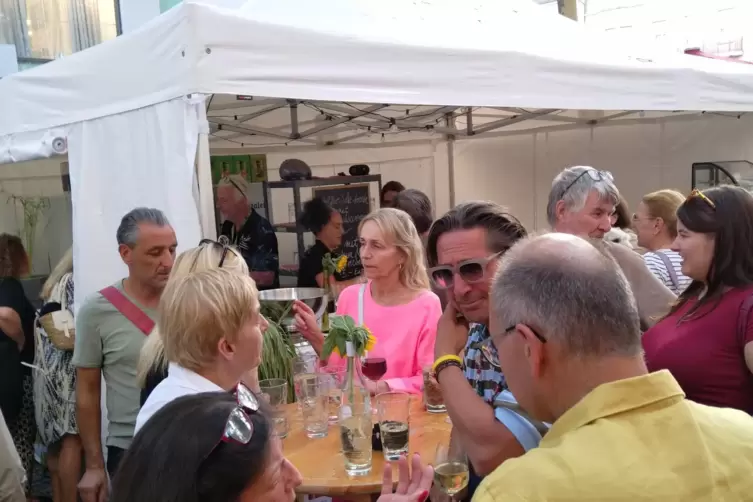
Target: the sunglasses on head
(700, 195)
(239, 427)
(223, 242)
(489, 350)
(471, 271)
(594, 174)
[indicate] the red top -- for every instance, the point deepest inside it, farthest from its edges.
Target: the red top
(705, 352)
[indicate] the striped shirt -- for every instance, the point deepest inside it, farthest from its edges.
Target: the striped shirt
(485, 379)
(657, 267)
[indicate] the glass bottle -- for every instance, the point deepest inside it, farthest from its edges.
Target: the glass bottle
(355, 417)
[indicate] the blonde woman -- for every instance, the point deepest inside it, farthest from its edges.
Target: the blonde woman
(55, 389)
(209, 255)
(398, 306)
(655, 222)
(211, 328)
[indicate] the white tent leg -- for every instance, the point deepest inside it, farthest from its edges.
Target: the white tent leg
(206, 191)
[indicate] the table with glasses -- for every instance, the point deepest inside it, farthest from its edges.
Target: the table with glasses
(321, 464)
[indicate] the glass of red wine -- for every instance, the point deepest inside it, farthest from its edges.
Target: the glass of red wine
(373, 368)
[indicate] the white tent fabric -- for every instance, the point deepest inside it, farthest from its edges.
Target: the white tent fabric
(150, 165)
(443, 52)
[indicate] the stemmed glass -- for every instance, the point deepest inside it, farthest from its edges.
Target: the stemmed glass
(373, 368)
(451, 472)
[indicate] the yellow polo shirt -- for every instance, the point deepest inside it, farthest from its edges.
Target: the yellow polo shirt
(633, 440)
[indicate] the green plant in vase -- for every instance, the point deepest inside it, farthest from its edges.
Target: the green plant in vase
(278, 351)
(330, 265)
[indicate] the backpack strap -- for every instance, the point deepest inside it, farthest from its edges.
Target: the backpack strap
(742, 319)
(670, 269)
(129, 309)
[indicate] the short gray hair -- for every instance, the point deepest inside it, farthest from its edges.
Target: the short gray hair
(128, 230)
(502, 228)
(574, 294)
(418, 206)
(572, 187)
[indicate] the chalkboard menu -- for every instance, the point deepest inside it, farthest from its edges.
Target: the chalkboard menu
(353, 203)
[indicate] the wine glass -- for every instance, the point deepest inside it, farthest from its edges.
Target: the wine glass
(373, 368)
(451, 473)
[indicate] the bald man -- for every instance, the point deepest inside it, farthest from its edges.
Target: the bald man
(566, 328)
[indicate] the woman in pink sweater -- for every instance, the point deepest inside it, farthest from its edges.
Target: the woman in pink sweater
(398, 307)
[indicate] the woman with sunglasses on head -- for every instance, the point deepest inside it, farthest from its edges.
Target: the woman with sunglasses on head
(706, 340)
(221, 447)
(211, 327)
(208, 255)
(398, 307)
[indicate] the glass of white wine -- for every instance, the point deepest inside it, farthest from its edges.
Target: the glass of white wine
(450, 471)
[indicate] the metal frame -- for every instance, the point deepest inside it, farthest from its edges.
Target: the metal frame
(715, 168)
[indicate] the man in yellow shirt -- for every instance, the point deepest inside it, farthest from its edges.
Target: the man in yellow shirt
(565, 325)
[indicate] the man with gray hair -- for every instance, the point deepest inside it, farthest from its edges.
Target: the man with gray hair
(111, 326)
(581, 202)
(566, 328)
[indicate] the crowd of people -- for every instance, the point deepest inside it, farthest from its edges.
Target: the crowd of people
(608, 359)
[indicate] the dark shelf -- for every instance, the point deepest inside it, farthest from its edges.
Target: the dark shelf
(332, 180)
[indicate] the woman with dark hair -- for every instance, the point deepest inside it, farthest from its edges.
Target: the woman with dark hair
(389, 191)
(16, 347)
(221, 447)
(706, 340)
(327, 226)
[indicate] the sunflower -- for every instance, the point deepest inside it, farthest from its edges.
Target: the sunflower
(370, 339)
(341, 263)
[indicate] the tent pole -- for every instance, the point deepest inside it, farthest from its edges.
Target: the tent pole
(206, 192)
(449, 120)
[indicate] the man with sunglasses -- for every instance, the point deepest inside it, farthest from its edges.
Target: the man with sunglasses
(249, 231)
(464, 247)
(582, 202)
(566, 328)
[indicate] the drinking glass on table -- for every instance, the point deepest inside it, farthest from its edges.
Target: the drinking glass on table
(335, 377)
(305, 363)
(393, 411)
(432, 393)
(275, 391)
(312, 393)
(373, 368)
(450, 471)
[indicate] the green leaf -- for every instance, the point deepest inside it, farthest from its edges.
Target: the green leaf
(328, 347)
(349, 322)
(341, 346)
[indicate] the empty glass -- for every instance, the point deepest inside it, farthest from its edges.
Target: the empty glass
(335, 377)
(312, 393)
(275, 391)
(432, 394)
(393, 411)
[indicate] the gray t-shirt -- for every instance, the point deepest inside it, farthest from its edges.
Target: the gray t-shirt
(106, 339)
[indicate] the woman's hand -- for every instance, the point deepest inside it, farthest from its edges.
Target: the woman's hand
(307, 325)
(412, 486)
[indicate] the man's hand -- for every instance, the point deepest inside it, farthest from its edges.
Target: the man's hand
(94, 486)
(413, 485)
(452, 332)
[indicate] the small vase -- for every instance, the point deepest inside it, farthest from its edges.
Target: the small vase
(355, 417)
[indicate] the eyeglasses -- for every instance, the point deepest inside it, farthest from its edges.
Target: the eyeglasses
(229, 180)
(239, 427)
(223, 242)
(594, 174)
(471, 271)
(697, 193)
(489, 350)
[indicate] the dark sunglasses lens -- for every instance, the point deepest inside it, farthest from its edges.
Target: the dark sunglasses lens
(471, 272)
(239, 427)
(246, 398)
(442, 277)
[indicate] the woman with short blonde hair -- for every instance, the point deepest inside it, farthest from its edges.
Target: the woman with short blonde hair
(655, 223)
(398, 306)
(208, 255)
(211, 327)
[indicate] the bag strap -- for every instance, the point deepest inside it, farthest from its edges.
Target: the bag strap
(130, 311)
(361, 293)
(63, 290)
(670, 268)
(540, 426)
(742, 319)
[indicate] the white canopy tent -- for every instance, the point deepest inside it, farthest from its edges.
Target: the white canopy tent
(132, 111)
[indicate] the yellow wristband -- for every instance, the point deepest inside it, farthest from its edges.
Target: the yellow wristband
(450, 357)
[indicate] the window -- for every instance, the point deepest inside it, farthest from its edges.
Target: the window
(48, 29)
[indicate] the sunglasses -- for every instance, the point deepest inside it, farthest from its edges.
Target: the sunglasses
(223, 243)
(471, 271)
(489, 351)
(698, 194)
(594, 174)
(239, 427)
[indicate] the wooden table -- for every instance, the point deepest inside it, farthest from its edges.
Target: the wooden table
(321, 462)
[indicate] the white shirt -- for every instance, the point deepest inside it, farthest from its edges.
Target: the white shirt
(179, 382)
(657, 267)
